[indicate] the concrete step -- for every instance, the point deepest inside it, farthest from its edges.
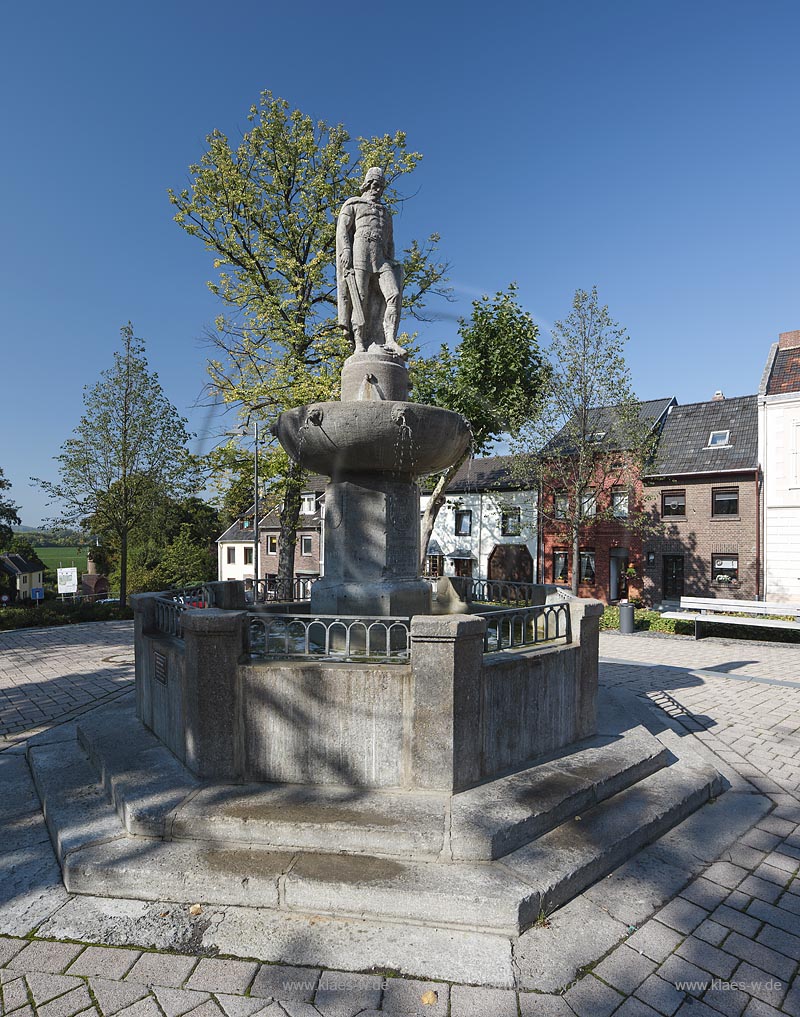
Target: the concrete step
(156, 797)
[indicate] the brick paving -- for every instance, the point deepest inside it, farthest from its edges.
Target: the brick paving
(729, 943)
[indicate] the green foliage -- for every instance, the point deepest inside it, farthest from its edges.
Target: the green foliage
(184, 561)
(8, 512)
(266, 210)
(57, 613)
(130, 443)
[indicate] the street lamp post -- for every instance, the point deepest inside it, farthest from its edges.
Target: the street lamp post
(255, 511)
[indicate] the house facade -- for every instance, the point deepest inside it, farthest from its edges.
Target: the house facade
(487, 527)
(703, 490)
(26, 574)
(779, 450)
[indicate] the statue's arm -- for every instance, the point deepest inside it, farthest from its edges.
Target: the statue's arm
(344, 235)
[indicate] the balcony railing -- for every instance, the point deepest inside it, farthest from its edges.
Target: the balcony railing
(330, 637)
(526, 626)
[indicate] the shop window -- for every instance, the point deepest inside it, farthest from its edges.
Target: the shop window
(587, 566)
(510, 525)
(463, 522)
(725, 501)
(560, 566)
(725, 569)
(673, 503)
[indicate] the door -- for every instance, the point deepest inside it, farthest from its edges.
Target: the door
(673, 576)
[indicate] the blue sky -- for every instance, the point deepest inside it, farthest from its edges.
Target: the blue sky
(648, 148)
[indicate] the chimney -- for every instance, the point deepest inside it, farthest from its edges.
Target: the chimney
(718, 397)
(789, 340)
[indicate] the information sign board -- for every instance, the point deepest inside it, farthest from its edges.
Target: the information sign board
(68, 580)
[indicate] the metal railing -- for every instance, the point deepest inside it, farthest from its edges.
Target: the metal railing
(259, 591)
(496, 591)
(330, 637)
(526, 626)
(170, 605)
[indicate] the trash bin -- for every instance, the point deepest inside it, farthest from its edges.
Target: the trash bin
(626, 619)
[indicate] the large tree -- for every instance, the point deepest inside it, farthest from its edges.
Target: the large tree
(495, 378)
(591, 434)
(8, 512)
(266, 210)
(129, 446)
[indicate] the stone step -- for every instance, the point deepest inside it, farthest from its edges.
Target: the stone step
(156, 797)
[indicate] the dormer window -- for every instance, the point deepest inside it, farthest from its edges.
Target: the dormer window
(247, 524)
(308, 504)
(595, 437)
(719, 439)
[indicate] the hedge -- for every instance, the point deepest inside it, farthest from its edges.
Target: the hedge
(60, 613)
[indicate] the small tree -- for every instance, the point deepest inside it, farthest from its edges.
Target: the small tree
(590, 434)
(8, 512)
(495, 379)
(129, 443)
(266, 210)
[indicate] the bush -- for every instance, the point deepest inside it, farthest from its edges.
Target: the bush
(648, 621)
(60, 613)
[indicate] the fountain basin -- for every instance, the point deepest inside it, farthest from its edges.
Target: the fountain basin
(384, 436)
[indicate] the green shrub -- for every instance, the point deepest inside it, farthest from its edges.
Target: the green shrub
(647, 621)
(60, 613)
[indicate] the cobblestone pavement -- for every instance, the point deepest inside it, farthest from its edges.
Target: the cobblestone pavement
(728, 943)
(49, 675)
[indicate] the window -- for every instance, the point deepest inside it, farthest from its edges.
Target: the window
(725, 569)
(560, 505)
(308, 504)
(725, 501)
(510, 522)
(673, 503)
(463, 566)
(231, 555)
(306, 547)
(587, 566)
(595, 437)
(463, 522)
(248, 556)
(619, 503)
(434, 566)
(719, 439)
(24, 580)
(589, 504)
(272, 544)
(247, 524)
(560, 567)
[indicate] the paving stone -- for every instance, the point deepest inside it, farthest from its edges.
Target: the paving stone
(207, 1009)
(748, 925)
(67, 1005)
(655, 940)
(10, 948)
(591, 998)
(725, 874)
(705, 894)
(240, 1006)
(467, 1001)
(661, 995)
(760, 839)
(728, 1001)
(113, 996)
(175, 1002)
(404, 996)
(42, 956)
(341, 994)
(779, 877)
(760, 956)
(278, 981)
(694, 1008)
(170, 970)
(226, 975)
(772, 915)
(293, 1008)
(103, 961)
(772, 824)
(738, 900)
(756, 1008)
(792, 1002)
(15, 994)
(681, 915)
(625, 968)
(790, 902)
(536, 1004)
(711, 932)
(778, 860)
(25, 1011)
(759, 983)
(633, 1007)
(144, 1008)
(685, 976)
(707, 957)
(761, 888)
(45, 986)
(783, 942)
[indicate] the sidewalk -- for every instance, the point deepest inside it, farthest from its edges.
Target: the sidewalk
(727, 943)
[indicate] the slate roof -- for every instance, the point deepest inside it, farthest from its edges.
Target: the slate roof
(602, 420)
(491, 473)
(236, 533)
(683, 446)
(785, 374)
(16, 565)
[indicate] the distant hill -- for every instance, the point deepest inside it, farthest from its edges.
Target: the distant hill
(42, 537)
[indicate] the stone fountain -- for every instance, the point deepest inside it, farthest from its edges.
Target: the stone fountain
(417, 815)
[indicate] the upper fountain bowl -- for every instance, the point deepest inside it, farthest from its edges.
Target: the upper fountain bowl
(385, 436)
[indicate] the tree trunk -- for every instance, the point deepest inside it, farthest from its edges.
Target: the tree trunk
(437, 500)
(123, 568)
(576, 560)
(287, 540)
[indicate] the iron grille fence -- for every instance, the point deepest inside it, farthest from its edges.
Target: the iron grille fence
(494, 591)
(526, 626)
(330, 637)
(260, 591)
(170, 605)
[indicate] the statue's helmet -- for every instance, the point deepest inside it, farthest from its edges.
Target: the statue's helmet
(373, 173)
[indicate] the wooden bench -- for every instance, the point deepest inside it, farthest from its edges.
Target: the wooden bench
(708, 612)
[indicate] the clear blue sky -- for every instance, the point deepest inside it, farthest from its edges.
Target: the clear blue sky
(649, 148)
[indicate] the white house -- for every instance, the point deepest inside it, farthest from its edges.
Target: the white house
(236, 549)
(487, 527)
(28, 574)
(779, 454)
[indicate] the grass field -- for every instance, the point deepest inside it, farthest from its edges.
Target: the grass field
(63, 557)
